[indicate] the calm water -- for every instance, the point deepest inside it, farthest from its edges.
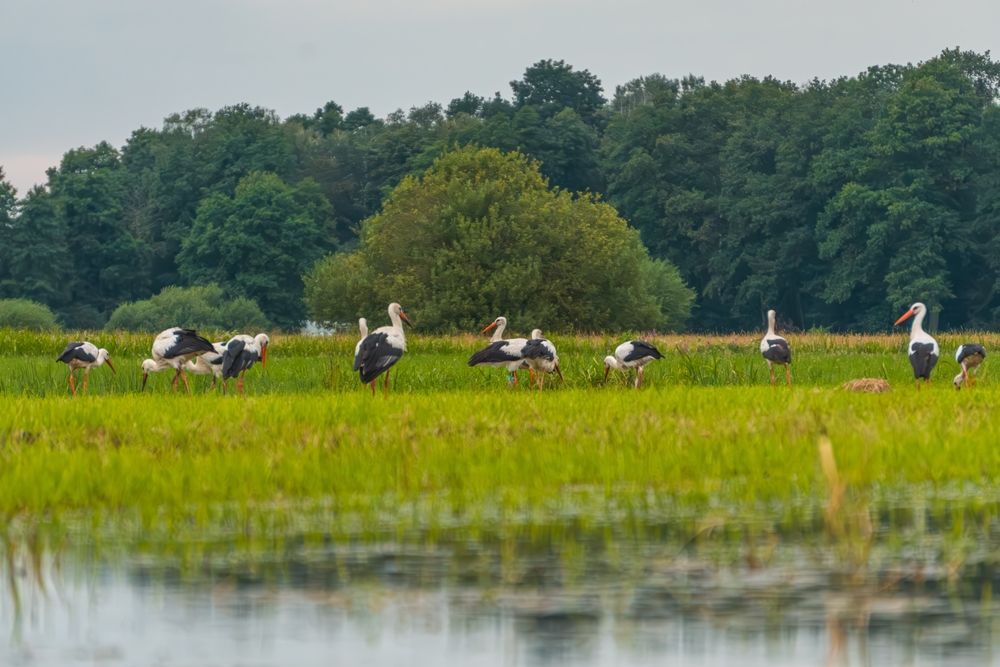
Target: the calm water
(912, 591)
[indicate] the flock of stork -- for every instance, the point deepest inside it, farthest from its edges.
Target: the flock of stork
(377, 352)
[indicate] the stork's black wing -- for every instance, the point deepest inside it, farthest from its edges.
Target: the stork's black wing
(237, 358)
(537, 349)
(494, 353)
(778, 351)
(970, 350)
(923, 360)
(376, 355)
(641, 349)
(75, 350)
(187, 341)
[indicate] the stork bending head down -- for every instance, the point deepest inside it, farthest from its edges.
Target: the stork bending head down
(85, 355)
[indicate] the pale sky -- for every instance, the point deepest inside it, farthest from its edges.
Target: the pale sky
(75, 72)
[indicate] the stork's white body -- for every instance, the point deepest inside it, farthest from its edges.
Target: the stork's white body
(541, 357)
(775, 350)
(502, 353)
(209, 363)
(379, 351)
(173, 348)
(923, 350)
(631, 354)
(84, 355)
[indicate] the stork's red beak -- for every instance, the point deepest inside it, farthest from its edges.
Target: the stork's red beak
(145, 376)
(110, 365)
(263, 357)
(406, 319)
(607, 369)
(905, 316)
(490, 327)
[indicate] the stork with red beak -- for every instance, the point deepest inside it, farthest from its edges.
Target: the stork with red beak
(501, 352)
(84, 355)
(923, 349)
(173, 348)
(968, 356)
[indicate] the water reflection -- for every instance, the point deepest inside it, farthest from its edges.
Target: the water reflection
(580, 592)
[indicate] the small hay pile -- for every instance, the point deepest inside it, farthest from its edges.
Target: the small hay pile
(867, 385)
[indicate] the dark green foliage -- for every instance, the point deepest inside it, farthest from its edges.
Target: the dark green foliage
(26, 314)
(259, 242)
(481, 234)
(834, 202)
(205, 307)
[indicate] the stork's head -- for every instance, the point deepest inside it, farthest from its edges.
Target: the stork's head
(957, 381)
(536, 334)
(916, 309)
(494, 324)
(396, 310)
(148, 366)
(262, 341)
(104, 357)
(609, 363)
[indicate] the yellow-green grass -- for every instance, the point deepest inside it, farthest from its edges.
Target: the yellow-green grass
(310, 364)
(707, 439)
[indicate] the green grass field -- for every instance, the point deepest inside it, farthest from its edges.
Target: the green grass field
(707, 438)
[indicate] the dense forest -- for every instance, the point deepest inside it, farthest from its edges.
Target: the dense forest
(837, 202)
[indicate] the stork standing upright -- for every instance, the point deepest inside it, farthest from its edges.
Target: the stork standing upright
(209, 363)
(542, 358)
(242, 352)
(363, 329)
(379, 351)
(632, 354)
(775, 350)
(969, 356)
(173, 348)
(85, 355)
(923, 349)
(501, 352)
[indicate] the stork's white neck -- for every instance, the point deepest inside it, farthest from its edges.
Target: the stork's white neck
(397, 323)
(363, 327)
(770, 323)
(498, 332)
(917, 328)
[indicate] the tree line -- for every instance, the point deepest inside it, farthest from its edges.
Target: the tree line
(835, 202)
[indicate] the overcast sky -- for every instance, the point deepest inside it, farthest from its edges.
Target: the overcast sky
(75, 72)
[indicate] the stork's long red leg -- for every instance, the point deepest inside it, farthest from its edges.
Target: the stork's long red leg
(72, 382)
(965, 375)
(771, 368)
(173, 383)
(788, 376)
(372, 385)
(185, 378)
(385, 383)
(86, 379)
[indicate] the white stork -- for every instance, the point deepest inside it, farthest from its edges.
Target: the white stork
(363, 329)
(209, 363)
(242, 352)
(775, 350)
(541, 356)
(501, 352)
(969, 356)
(84, 355)
(381, 349)
(172, 348)
(632, 354)
(923, 349)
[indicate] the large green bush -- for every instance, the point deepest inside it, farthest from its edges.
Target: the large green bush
(25, 314)
(200, 307)
(481, 234)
